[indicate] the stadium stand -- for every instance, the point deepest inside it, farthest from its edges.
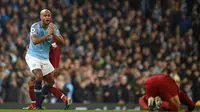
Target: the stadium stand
(111, 47)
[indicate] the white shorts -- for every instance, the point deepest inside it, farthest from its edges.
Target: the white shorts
(35, 63)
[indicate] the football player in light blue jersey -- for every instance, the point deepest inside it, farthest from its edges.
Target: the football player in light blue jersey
(41, 40)
(37, 56)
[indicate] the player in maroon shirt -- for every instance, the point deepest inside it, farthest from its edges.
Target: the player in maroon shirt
(54, 57)
(162, 92)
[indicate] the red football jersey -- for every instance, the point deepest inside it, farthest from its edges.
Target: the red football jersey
(54, 54)
(160, 85)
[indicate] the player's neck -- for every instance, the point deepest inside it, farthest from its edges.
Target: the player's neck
(44, 26)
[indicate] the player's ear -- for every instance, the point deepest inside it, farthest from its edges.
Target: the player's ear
(40, 17)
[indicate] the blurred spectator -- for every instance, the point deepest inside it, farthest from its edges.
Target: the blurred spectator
(24, 95)
(69, 86)
(60, 84)
(98, 91)
(113, 94)
(12, 84)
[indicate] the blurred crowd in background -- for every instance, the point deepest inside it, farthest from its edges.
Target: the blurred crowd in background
(111, 47)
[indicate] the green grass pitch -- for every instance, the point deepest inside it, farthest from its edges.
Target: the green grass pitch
(20, 110)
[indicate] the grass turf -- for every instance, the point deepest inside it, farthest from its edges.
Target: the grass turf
(20, 110)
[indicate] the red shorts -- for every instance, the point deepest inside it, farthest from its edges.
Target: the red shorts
(161, 85)
(54, 56)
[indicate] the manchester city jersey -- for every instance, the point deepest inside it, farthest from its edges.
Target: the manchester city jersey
(40, 50)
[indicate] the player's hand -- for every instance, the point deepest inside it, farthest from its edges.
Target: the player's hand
(50, 29)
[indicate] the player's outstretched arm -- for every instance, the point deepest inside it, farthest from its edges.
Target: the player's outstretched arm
(186, 100)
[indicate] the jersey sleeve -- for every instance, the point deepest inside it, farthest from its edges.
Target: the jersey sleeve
(34, 30)
(56, 31)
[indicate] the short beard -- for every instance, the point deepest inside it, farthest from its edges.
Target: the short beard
(46, 24)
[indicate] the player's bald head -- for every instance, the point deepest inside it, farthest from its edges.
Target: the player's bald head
(45, 11)
(45, 16)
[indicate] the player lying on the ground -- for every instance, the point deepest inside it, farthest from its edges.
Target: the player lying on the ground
(157, 104)
(161, 92)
